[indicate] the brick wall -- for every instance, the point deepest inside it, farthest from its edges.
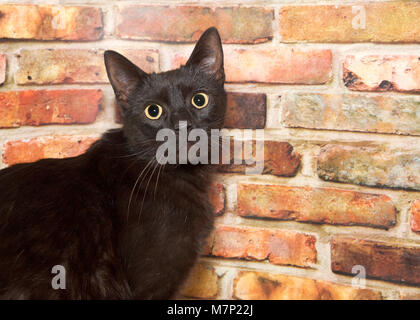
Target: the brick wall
(334, 86)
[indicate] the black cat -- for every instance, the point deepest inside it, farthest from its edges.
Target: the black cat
(122, 225)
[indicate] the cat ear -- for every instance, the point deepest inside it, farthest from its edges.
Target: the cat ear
(124, 75)
(208, 54)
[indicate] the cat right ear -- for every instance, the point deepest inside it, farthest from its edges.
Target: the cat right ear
(123, 75)
(208, 54)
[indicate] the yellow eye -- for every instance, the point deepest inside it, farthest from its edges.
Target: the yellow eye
(200, 100)
(153, 111)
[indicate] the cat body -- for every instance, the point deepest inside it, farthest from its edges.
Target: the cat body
(120, 224)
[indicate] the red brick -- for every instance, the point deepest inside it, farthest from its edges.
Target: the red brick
(2, 68)
(249, 285)
(49, 22)
(202, 283)
(410, 296)
(370, 165)
(415, 216)
(320, 205)
(381, 260)
(279, 159)
(382, 73)
(281, 65)
(39, 107)
(20, 151)
(52, 66)
(217, 198)
(246, 110)
(187, 23)
(385, 22)
(281, 247)
(207, 247)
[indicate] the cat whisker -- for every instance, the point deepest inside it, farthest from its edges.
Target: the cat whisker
(157, 181)
(162, 167)
(145, 177)
(145, 191)
(134, 187)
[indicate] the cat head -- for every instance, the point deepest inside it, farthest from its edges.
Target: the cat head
(192, 95)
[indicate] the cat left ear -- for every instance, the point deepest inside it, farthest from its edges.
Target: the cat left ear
(208, 54)
(124, 75)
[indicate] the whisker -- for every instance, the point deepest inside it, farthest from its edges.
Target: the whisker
(134, 187)
(144, 177)
(157, 181)
(145, 192)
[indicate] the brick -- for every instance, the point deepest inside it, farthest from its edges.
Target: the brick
(21, 151)
(245, 111)
(2, 68)
(373, 166)
(217, 198)
(207, 247)
(319, 205)
(249, 285)
(282, 65)
(202, 283)
(53, 66)
(48, 22)
(382, 73)
(415, 216)
(278, 159)
(385, 22)
(410, 296)
(381, 260)
(281, 247)
(187, 23)
(353, 112)
(40, 107)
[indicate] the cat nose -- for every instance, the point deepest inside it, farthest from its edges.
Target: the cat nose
(182, 124)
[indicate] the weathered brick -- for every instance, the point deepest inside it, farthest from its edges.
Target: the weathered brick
(246, 110)
(20, 151)
(370, 165)
(353, 112)
(381, 260)
(320, 205)
(415, 216)
(51, 66)
(281, 247)
(39, 107)
(207, 247)
(49, 22)
(187, 23)
(382, 73)
(2, 68)
(282, 65)
(217, 198)
(410, 296)
(202, 283)
(278, 159)
(385, 22)
(250, 285)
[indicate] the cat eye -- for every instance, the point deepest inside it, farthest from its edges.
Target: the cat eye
(200, 100)
(153, 111)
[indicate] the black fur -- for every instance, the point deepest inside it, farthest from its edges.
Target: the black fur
(123, 226)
